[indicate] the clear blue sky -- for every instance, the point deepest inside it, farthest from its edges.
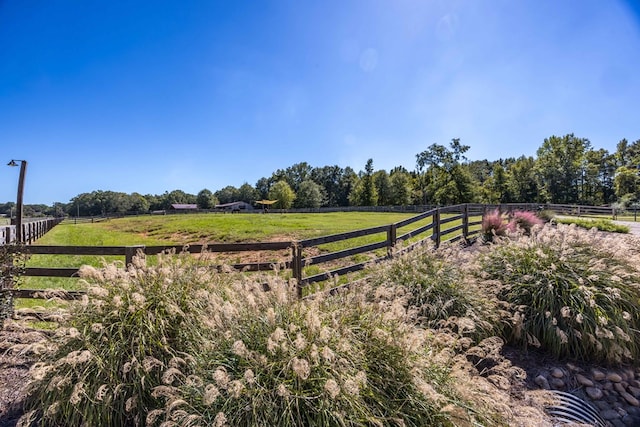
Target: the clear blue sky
(153, 96)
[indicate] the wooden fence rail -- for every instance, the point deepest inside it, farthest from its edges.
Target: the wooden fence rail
(447, 224)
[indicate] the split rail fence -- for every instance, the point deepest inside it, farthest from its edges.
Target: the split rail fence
(438, 225)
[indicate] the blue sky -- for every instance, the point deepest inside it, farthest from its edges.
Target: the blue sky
(153, 96)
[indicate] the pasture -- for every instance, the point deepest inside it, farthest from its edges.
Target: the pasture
(207, 229)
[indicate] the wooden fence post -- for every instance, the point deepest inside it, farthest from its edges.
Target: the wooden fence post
(130, 252)
(296, 267)
(391, 240)
(436, 227)
(465, 222)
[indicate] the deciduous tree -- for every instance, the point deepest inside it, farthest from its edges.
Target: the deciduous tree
(282, 192)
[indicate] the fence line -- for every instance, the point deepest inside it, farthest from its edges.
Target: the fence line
(32, 229)
(443, 229)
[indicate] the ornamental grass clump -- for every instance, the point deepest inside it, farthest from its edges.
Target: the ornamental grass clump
(324, 361)
(574, 293)
(523, 221)
(179, 344)
(437, 291)
(493, 224)
(130, 334)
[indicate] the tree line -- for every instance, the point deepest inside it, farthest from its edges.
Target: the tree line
(566, 169)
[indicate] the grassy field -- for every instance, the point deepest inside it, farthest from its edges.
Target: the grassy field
(210, 228)
(213, 228)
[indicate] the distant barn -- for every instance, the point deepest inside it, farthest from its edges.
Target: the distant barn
(184, 206)
(235, 207)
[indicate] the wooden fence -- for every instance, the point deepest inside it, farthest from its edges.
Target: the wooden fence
(452, 223)
(32, 229)
(445, 224)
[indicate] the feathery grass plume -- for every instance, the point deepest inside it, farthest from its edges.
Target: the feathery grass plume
(524, 221)
(129, 337)
(178, 343)
(574, 292)
(435, 291)
(493, 224)
(320, 361)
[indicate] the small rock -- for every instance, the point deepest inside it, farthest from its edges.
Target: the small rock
(557, 383)
(593, 393)
(629, 374)
(631, 420)
(610, 414)
(601, 404)
(612, 398)
(608, 386)
(619, 387)
(582, 380)
(597, 375)
(634, 383)
(635, 391)
(630, 399)
(557, 373)
(573, 368)
(613, 377)
(542, 382)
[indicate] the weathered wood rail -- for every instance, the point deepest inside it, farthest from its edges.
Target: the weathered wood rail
(451, 223)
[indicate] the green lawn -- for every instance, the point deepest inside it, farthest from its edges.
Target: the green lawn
(210, 228)
(216, 228)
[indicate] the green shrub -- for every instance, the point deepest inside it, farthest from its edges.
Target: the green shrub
(546, 215)
(599, 224)
(436, 291)
(573, 292)
(178, 344)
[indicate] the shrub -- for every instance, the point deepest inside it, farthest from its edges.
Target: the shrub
(573, 292)
(437, 291)
(524, 221)
(546, 215)
(493, 224)
(179, 344)
(599, 224)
